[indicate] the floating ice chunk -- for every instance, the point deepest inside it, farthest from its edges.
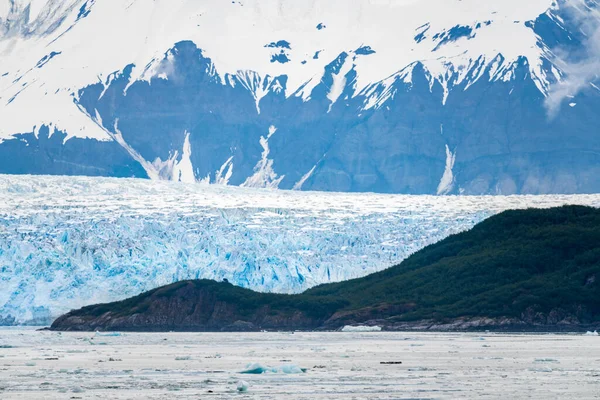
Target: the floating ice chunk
(257, 369)
(109, 334)
(242, 386)
(254, 368)
(350, 328)
(291, 369)
(589, 333)
(541, 369)
(420, 369)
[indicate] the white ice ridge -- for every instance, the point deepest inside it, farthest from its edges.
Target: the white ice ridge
(63, 46)
(66, 242)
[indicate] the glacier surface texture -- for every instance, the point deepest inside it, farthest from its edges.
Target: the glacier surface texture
(66, 242)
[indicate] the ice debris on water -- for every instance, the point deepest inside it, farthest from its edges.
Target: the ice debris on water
(109, 334)
(242, 386)
(351, 328)
(541, 369)
(257, 368)
(589, 333)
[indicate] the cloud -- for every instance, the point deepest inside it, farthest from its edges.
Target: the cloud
(578, 70)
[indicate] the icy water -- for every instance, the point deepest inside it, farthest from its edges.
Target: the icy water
(49, 365)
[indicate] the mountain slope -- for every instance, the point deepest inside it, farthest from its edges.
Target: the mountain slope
(409, 96)
(520, 269)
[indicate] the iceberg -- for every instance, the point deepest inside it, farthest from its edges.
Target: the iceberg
(349, 328)
(242, 386)
(109, 334)
(257, 369)
(589, 333)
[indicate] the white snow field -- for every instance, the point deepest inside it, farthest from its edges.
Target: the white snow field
(51, 49)
(66, 242)
(50, 365)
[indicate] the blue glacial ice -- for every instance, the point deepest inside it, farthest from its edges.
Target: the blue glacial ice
(66, 242)
(257, 369)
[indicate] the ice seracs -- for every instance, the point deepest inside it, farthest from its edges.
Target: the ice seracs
(67, 242)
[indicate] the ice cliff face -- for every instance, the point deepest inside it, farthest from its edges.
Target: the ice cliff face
(392, 96)
(66, 242)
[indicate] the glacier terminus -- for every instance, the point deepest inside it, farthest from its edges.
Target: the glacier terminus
(66, 242)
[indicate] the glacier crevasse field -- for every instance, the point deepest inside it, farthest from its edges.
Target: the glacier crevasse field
(66, 242)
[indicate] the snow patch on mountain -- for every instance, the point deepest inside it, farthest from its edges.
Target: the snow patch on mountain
(183, 171)
(224, 173)
(178, 167)
(256, 84)
(298, 185)
(339, 79)
(264, 175)
(447, 181)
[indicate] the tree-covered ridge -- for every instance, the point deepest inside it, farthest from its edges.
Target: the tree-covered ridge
(529, 265)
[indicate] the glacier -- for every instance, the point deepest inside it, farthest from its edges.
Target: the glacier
(66, 242)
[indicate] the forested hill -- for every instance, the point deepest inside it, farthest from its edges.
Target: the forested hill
(530, 269)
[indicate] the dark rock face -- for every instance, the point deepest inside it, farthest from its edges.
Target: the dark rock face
(498, 133)
(189, 307)
(49, 154)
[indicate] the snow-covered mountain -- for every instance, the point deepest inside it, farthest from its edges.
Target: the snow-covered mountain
(67, 242)
(398, 96)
